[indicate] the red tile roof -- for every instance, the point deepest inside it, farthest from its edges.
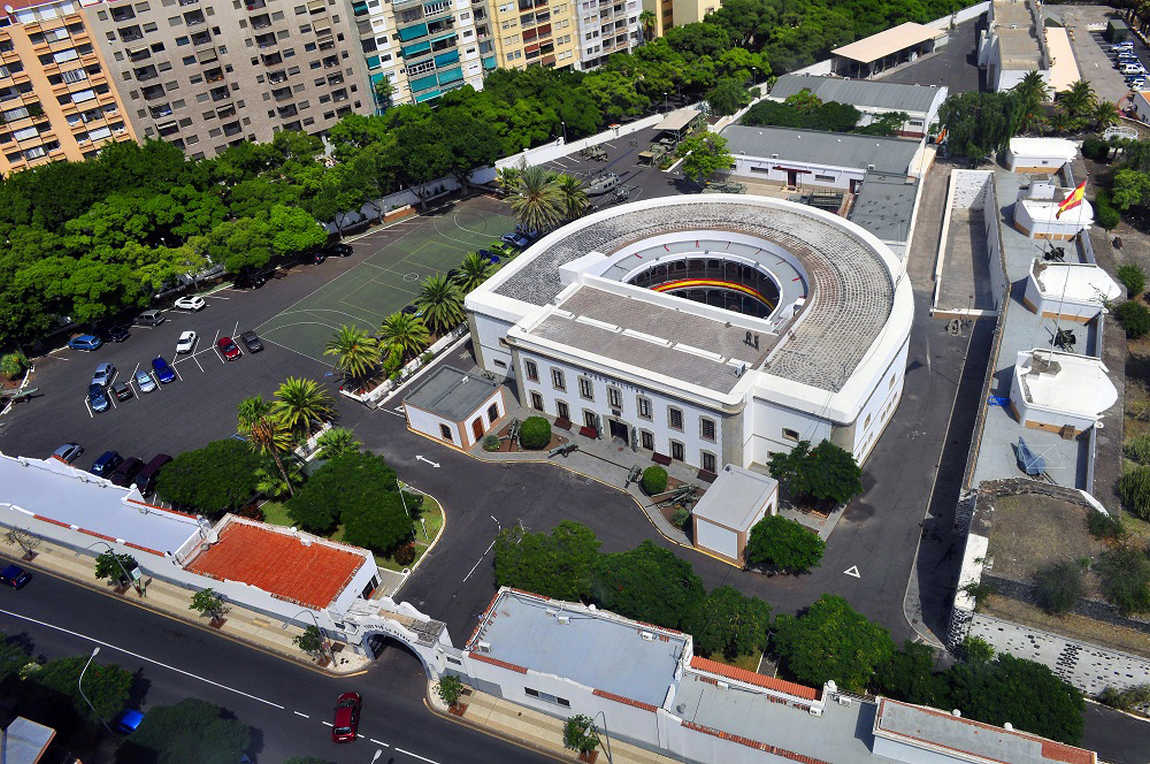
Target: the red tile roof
(624, 700)
(279, 563)
(750, 677)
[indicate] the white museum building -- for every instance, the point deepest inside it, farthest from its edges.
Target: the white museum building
(711, 329)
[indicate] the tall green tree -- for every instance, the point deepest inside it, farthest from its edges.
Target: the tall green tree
(572, 196)
(831, 641)
(404, 332)
(647, 583)
(980, 124)
(192, 731)
(559, 565)
(301, 403)
(356, 352)
(473, 271)
(442, 303)
(106, 685)
(269, 435)
(218, 478)
(730, 623)
(704, 154)
(1032, 92)
(536, 200)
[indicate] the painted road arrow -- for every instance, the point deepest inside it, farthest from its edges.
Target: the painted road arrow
(420, 457)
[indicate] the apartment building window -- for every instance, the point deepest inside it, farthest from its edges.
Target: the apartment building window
(789, 434)
(647, 440)
(562, 410)
(614, 397)
(643, 404)
(586, 389)
(531, 370)
(536, 401)
(677, 451)
(675, 418)
(445, 432)
(707, 461)
(557, 380)
(707, 428)
(533, 693)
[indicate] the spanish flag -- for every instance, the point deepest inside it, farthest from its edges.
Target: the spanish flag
(1072, 200)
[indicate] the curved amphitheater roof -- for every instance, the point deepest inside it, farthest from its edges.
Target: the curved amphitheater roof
(852, 275)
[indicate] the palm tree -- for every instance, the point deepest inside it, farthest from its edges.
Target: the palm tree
(299, 402)
(1031, 91)
(647, 21)
(442, 303)
(406, 332)
(1079, 100)
(473, 271)
(266, 432)
(356, 352)
(572, 197)
(249, 411)
(536, 200)
(507, 177)
(1105, 115)
(336, 442)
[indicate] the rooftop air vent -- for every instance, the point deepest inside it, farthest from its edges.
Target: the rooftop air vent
(563, 619)
(484, 647)
(647, 636)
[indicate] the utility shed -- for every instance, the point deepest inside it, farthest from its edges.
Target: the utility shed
(454, 406)
(25, 741)
(737, 500)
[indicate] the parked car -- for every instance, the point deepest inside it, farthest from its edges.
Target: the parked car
(104, 375)
(1133, 69)
(116, 333)
(228, 348)
(251, 341)
(151, 318)
(339, 249)
(14, 576)
(123, 391)
(1136, 83)
(128, 720)
(186, 342)
(126, 472)
(68, 452)
(106, 464)
(98, 398)
(191, 302)
(146, 478)
(515, 239)
(144, 381)
(164, 372)
(85, 342)
(345, 724)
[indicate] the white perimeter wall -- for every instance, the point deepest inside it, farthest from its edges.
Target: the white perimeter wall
(658, 425)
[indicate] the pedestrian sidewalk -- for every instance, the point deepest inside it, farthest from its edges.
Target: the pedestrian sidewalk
(606, 460)
(253, 628)
(532, 729)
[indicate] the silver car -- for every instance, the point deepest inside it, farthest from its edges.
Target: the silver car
(144, 381)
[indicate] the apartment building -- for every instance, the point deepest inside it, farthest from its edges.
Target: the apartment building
(206, 74)
(606, 27)
(535, 33)
(56, 99)
(424, 49)
(676, 13)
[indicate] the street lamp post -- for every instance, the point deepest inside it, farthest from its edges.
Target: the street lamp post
(80, 687)
(116, 557)
(564, 131)
(322, 636)
(606, 734)
(664, 100)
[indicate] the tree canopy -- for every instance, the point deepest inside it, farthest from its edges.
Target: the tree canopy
(192, 731)
(558, 565)
(647, 583)
(218, 478)
(826, 473)
(784, 545)
(831, 641)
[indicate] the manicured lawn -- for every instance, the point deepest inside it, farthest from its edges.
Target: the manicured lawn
(276, 513)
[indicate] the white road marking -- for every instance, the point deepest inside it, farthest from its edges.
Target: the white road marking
(153, 661)
(379, 742)
(476, 565)
(327, 724)
(300, 713)
(417, 756)
(853, 572)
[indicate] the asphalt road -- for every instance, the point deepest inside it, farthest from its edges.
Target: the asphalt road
(285, 703)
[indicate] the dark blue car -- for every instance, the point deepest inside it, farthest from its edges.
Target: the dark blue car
(164, 372)
(85, 342)
(98, 398)
(106, 464)
(14, 576)
(128, 720)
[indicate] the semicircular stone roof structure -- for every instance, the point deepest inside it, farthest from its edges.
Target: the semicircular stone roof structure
(851, 291)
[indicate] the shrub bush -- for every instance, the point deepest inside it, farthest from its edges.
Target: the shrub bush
(1105, 526)
(1058, 587)
(1134, 489)
(680, 517)
(1135, 318)
(1096, 149)
(405, 553)
(13, 364)
(1133, 279)
(1138, 449)
(1125, 574)
(784, 545)
(534, 433)
(490, 443)
(654, 480)
(1104, 212)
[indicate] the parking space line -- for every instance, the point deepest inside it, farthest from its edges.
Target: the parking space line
(89, 408)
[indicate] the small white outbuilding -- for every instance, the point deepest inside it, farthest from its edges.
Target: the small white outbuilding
(737, 500)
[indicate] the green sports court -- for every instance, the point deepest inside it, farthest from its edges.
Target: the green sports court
(394, 261)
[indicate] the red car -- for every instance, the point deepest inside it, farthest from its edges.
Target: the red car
(346, 721)
(228, 348)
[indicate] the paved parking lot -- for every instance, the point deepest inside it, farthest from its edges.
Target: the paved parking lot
(637, 181)
(1093, 52)
(955, 66)
(390, 265)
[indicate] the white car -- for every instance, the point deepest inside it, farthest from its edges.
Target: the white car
(194, 302)
(186, 342)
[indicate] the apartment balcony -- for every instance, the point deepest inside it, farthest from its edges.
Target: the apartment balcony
(272, 59)
(255, 5)
(264, 41)
(228, 110)
(220, 94)
(316, 6)
(159, 112)
(263, 21)
(232, 128)
(146, 73)
(122, 13)
(200, 38)
(287, 111)
(282, 94)
(168, 129)
(276, 78)
(215, 75)
(152, 92)
(139, 54)
(131, 35)
(330, 61)
(194, 18)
